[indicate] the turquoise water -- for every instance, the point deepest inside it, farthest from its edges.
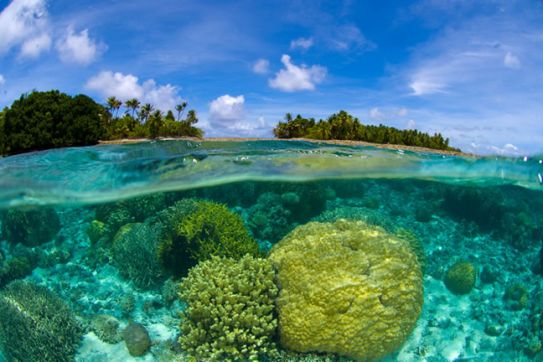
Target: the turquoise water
(108, 235)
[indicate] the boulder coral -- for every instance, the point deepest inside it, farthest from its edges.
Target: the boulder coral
(230, 310)
(346, 287)
(460, 277)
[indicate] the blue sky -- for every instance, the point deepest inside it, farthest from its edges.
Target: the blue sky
(472, 70)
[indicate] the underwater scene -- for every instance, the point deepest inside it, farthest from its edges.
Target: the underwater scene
(269, 251)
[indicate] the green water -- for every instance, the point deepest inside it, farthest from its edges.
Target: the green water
(113, 230)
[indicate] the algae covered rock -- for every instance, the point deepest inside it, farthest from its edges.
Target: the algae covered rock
(347, 288)
(36, 325)
(230, 312)
(31, 227)
(460, 277)
(136, 339)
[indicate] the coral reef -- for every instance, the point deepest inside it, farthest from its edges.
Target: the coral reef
(230, 312)
(516, 297)
(213, 230)
(96, 230)
(460, 277)
(106, 327)
(269, 219)
(36, 325)
(135, 254)
(30, 227)
(484, 207)
(15, 268)
(415, 244)
(346, 287)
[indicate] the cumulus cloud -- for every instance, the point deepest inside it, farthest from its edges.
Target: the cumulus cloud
(108, 84)
(33, 47)
(23, 23)
(411, 124)
(78, 47)
(227, 116)
(2, 80)
(511, 61)
(261, 66)
(297, 78)
(301, 43)
(226, 109)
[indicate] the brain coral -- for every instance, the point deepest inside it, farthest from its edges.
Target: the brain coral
(346, 287)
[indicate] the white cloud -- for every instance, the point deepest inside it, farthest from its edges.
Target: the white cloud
(424, 84)
(33, 47)
(78, 47)
(124, 87)
(261, 66)
(24, 22)
(511, 61)
(297, 78)
(226, 109)
(411, 124)
(2, 80)
(301, 43)
(376, 114)
(348, 37)
(227, 117)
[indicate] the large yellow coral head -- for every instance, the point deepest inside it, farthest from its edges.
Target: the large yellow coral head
(348, 288)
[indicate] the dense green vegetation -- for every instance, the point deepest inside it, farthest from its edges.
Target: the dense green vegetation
(343, 126)
(42, 120)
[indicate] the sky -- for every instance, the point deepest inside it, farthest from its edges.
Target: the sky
(471, 70)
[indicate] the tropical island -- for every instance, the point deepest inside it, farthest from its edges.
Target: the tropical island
(52, 119)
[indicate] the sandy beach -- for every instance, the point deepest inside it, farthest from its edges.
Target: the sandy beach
(336, 142)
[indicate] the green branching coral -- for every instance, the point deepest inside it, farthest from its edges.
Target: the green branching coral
(230, 312)
(460, 277)
(209, 229)
(36, 325)
(136, 255)
(30, 227)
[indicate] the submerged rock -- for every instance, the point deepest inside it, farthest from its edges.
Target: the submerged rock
(136, 339)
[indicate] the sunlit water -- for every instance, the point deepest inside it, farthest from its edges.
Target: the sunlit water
(57, 204)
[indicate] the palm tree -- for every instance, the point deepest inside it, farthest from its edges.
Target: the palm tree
(114, 104)
(155, 123)
(180, 108)
(145, 111)
(132, 104)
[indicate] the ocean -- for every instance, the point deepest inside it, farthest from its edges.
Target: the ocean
(270, 251)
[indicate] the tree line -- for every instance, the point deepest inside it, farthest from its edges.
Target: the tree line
(343, 126)
(42, 120)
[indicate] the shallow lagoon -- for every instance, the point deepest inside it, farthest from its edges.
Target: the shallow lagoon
(88, 223)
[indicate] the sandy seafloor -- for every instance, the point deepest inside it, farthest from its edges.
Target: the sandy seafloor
(450, 328)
